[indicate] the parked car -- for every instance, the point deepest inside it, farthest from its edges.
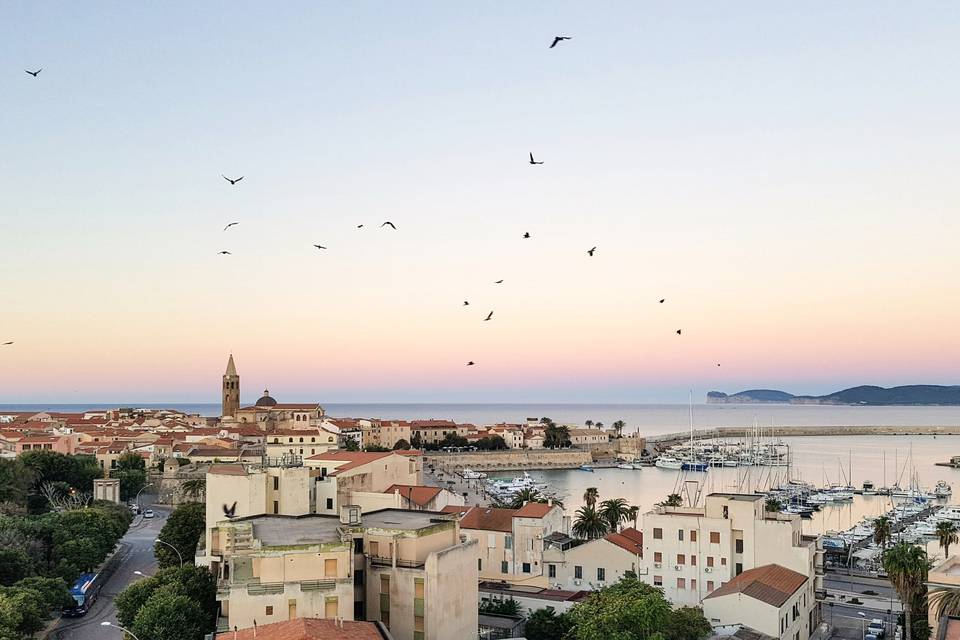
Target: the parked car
(148, 513)
(876, 627)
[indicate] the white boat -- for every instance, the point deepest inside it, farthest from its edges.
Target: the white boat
(473, 475)
(669, 462)
(625, 465)
(868, 489)
(950, 512)
(942, 490)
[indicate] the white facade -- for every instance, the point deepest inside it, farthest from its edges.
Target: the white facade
(589, 566)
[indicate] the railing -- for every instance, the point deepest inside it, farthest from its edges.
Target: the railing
(317, 585)
(380, 561)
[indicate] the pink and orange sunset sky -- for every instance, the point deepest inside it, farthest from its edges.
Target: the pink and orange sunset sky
(784, 175)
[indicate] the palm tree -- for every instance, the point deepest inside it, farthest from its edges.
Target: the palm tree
(528, 494)
(590, 496)
(634, 514)
(673, 500)
(615, 511)
(882, 531)
(618, 427)
(598, 425)
(589, 524)
(907, 566)
(772, 505)
(588, 423)
(947, 534)
(944, 602)
(194, 488)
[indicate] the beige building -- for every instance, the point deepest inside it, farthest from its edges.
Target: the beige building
(434, 431)
(424, 498)
(771, 599)
(406, 569)
(299, 443)
(594, 564)
(510, 542)
(361, 477)
(587, 437)
(945, 575)
(691, 551)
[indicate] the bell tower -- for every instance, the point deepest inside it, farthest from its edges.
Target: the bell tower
(231, 390)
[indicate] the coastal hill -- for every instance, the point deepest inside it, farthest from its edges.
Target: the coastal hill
(916, 394)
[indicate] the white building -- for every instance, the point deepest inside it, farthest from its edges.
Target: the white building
(594, 564)
(771, 599)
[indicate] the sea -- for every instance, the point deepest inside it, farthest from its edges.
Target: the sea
(822, 460)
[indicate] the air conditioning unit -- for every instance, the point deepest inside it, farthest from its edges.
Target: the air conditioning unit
(707, 569)
(656, 565)
(677, 567)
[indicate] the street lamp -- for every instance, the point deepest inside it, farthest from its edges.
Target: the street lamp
(159, 541)
(107, 623)
(863, 624)
(137, 498)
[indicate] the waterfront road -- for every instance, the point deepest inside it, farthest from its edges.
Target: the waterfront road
(137, 550)
(848, 624)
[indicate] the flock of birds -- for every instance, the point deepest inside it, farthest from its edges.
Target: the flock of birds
(526, 235)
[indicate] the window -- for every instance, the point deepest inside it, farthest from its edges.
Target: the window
(491, 540)
(681, 558)
(680, 535)
(738, 545)
(329, 503)
(330, 568)
(504, 567)
(693, 561)
(578, 572)
(726, 512)
(709, 586)
(269, 610)
(374, 548)
(657, 556)
(657, 533)
(526, 567)
(301, 439)
(601, 574)
(276, 483)
(551, 571)
(508, 541)
(276, 507)
(681, 583)
(709, 561)
(715, 536)
(479, 564)
(330, 607)
(693, 535)
(738, 569)
(723, 562)
(658, 581)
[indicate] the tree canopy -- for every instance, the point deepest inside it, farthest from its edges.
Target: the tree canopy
(182, 530)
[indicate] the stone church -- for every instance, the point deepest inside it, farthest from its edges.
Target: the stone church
(266, 413)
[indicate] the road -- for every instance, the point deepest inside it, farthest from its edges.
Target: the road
(847, 622)
(137, 550)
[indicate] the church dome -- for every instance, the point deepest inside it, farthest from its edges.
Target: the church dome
(266, 400)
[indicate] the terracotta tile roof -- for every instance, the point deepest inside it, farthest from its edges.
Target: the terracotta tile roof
(627, 542)
(228, 470)
(452, 508)
(352, 458)
(533, 510)
(420, 424)
(488, 519)
(308, 629)
(771, 584)
(418, 494)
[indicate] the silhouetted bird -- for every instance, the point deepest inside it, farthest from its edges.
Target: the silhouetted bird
(718, 364)
(319, 246)
(470, 364)
(230, 225)
(526, 234)
(590, 251)
(230, 511)
(532, 161)
(390, 224)
(7, 343)
(489, 315)
(225, 253)
(558, 39)
(359, 226)
(662, 300)
(231, 180)
(466, 303)
(679, 331)
(34, 73)
(498, 282)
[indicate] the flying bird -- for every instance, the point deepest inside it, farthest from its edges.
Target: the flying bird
(466, 303)
(225, 253)
(390, 224)
(489, 315)
(558, 39)
(470, 364)
(319, 246)
(34, 73)
(233, 180)
(590, 251)
(230, 511)
(526, 234)
(532, 161)
(662, 300)
(359, 226)
(7, 343)
(498, 282)
(679, 331)
(230, 225)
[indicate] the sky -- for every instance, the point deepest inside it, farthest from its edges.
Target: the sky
(784, 174)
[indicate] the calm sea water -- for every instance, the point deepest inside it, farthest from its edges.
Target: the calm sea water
(649, 419)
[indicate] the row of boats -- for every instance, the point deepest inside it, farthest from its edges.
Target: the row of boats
(804, 499)
(915, 523)
(700, 456)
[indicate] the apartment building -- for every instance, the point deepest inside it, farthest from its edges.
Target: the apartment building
(434, 431)
(361, 477)
(576, 565)
(692, 551)
(405, 569)
(945, 575)
(510, 542)
(299, 442)
(771, 599)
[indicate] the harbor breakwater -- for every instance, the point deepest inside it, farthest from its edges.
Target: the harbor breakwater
(781, 432)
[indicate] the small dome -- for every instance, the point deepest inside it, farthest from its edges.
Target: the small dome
(266, 400)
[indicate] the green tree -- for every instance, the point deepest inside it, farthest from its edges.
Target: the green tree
(131, 481)
(130, 461)
(673, 500)
(168, 615)
(196, 583)
(545, 624)
(527, 494)
(944, 602)
(376, 448)
(416, 441)
(947, 535)
(882, 531)
(615, 511)
(182, 530)
(618, 426)
(588, 424)
(21, 612)
(627, 610)
(194, 488)
(129, 601)
(634, 515)
(687, 623)
(772, 505)
(52, 592)
(401, 444)
(508, 607)
(556, 436)
(454, 440)
(14, 566)
(351, 445)
(907, 566)
(590, 496)
(589, 524)
(491, 443)
(15, 481)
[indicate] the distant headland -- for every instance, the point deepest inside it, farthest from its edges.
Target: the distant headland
(916, 394)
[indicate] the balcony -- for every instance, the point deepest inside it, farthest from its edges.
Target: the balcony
(380, 561)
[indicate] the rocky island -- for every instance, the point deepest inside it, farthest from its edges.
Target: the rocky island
(916, 395)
